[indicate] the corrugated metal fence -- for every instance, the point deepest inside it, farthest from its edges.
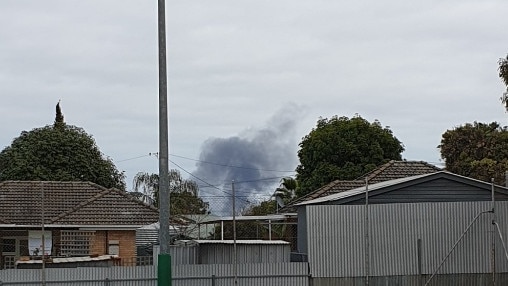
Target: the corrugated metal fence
(259, 274)
(482, 279)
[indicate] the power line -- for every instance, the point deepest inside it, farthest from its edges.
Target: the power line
(142, 156)
(205, 182)
(207, 162)
(231, 166)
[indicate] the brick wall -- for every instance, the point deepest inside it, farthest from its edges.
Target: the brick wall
(126, 242)
(99, 243)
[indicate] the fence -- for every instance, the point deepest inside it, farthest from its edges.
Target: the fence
(295, 274)
(463, 279)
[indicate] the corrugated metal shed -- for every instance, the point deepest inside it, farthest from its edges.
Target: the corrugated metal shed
(247, 252)
(337, 242)
(221, 251)
(149, 234)
(441, 186)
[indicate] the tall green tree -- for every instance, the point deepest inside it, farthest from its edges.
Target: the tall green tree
(477, 150)
(503, 74)
(58, 152)
(184, 193)
(343, 148)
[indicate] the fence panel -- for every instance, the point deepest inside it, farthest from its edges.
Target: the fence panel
(260, 274)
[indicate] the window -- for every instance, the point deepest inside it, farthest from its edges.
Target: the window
(35, 242)
(9, 245)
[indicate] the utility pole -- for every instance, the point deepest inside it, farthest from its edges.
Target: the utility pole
(235, 257)
(164, 259)
(367, 228)
(43, 241)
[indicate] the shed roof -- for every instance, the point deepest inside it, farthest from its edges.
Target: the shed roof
(386, 172)
(384, 186)
(231, 242)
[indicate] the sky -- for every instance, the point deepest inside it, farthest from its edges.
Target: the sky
(247, 80)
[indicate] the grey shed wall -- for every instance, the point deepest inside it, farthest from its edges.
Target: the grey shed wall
(217, 253)
(335, 238)
(246, 253)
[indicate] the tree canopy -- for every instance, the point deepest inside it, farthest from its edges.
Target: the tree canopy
(58, 152)
(477, 150)
(184, 193)
(343, 148)
(503, 74)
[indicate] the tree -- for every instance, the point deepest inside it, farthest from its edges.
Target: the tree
(477, 150)
(184, 193)
(58, 152)
(282, 195)
(503, 74)
(286, 191)
(263, 208)
(343, 148)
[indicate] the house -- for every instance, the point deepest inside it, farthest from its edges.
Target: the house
(437, 226)
(80, 219)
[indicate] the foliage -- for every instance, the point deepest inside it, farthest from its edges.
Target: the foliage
(184, 193)
(503, 74)
(343, 148)
(58, 152)
(287, 188)
(477, 150)
(283, 194)
(263, 208)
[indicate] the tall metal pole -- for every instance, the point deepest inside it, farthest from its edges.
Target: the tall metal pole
(367, 244)
(493, 235)
(43, 241)
(164, 259)
(235, 270)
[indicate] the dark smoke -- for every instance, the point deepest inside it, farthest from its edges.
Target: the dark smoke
(254, 160)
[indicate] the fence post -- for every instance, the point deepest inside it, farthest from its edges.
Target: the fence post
(106, 282)
(213, 280)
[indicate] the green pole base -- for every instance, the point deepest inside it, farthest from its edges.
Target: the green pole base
(164, 270)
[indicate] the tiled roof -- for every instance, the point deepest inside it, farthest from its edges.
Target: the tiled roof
(70, 203)
(389, 171)
(399, 169)
(334, 187)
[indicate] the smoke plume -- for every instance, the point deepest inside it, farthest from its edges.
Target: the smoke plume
(255, 160)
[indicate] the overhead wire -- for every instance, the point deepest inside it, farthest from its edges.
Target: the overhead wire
(232, 166)
(209, 185)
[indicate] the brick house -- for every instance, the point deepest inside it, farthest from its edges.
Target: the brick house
(80, 219)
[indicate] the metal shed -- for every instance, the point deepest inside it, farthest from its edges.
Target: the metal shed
(248, 251)
(414, 227)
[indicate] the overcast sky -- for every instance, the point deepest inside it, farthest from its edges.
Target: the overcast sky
(249, 75)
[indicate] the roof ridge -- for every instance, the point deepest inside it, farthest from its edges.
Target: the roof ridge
(432, 166)
(133, 199)
(80, 205)
(322, 190)
(124, 194)
(377, 171)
